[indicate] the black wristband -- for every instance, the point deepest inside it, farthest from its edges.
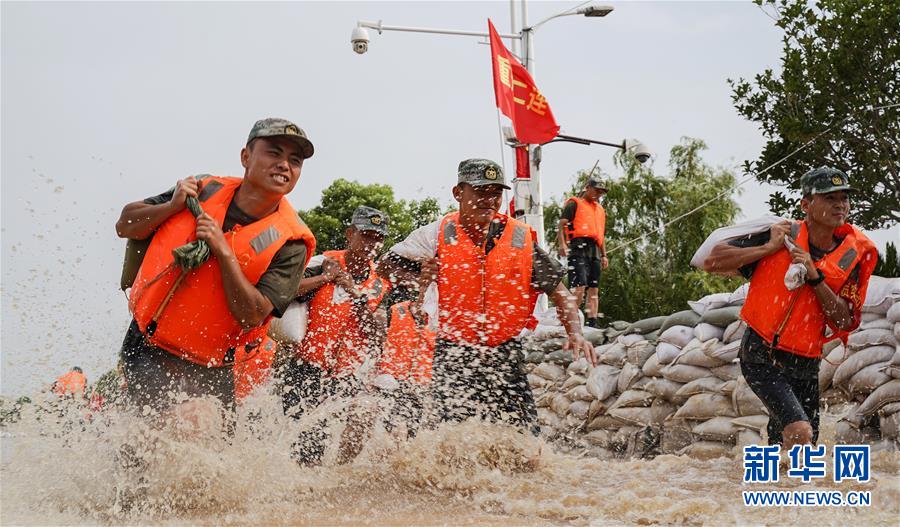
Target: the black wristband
(816, 281)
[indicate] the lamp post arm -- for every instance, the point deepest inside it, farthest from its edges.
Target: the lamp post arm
(378, 26)
(585, 141)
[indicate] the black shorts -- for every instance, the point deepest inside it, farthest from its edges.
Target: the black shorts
(584, 268)
(787, 384)
(157, 378)
(485, 383)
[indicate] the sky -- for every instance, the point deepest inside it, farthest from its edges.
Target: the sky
(108, 103)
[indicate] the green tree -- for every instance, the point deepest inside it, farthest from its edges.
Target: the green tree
(331, 217)
(888, 263)
(841, 60)
(649, 271)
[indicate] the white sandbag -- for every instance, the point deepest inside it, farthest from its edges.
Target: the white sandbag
(579, 410)
(757, 423)
(716, 429)
(734, 332)
(705, 450)
(727, 388)
(727, 372)
(889, 409)
(829, 365)
(548, 419)
(536, 381)
(684, 373)
(889, 425)
(603, 381)
(746, 402)
(291, 327)
(560, 404)
(881, 294)
(896, 329)
(627, 377)
(639, 352)
(593, 335)
(614, 355)
(678, 336)
(660, 410)
(573, 381)
(663, 388)
(579, 367)
(880, 323)
(725, 353)
(866, 380)
(542, 332)
(860, 360)
(652, 368)
(627, 340)
(704, 331)
(633, 415)
(549, 371)
(893, 313)
(647, 325)
(731, 232)
(599, 438)
(704, 385)
(871, 337)
(844, 433)
(706, 406)
(604, 422)
(885, 394)
(746, 437)
(713, 301)
(666, 353)
(740, 295)
(633, 398)
(696, 357)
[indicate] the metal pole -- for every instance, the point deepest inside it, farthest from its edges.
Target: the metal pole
(512, 26)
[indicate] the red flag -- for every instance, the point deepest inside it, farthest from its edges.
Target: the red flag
(518, 97)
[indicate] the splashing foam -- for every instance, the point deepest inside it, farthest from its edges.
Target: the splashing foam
(59, 468)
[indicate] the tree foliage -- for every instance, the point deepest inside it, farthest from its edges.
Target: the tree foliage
(841, 60)
(888, 263)
(649, 270)
(329, 220)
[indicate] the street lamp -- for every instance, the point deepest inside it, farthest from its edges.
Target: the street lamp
(527, 192)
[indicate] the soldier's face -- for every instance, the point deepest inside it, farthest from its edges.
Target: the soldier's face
(367, 242)
(480, 202)
(272, 164)
(829, 209)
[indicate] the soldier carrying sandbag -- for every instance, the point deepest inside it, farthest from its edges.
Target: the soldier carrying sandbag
(789, 316)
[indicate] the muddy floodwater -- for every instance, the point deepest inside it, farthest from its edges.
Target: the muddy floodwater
(68, 471)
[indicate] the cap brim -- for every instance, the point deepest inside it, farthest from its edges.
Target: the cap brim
(845, 188)
(485, 183)
(305, 145)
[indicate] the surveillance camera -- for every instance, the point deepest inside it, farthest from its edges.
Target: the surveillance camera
(359, 39)
(638, 149)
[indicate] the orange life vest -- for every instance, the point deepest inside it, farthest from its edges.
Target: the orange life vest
(191, 319)
(409, 348)
(251, 373)
(794, 321)
(589, 221)
(72, 383)
(334, 340)
(484, 299)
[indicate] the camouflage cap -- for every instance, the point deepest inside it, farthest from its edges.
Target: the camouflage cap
(823, 180)
(274, 127)
(369, 219)
(596, 183)
(479, 172)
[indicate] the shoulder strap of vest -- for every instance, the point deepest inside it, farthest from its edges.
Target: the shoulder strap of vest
(448, 228)
(519, 233)
(210, 185)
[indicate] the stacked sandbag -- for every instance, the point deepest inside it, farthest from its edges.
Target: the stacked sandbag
(866, 372)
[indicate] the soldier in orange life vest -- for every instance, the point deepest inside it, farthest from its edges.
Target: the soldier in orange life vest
(782, 347)
(346, 325)
(188, 332)
(489, 272)
(582, 227)
(73, 383)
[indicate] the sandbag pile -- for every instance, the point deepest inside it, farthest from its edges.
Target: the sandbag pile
(673, 384)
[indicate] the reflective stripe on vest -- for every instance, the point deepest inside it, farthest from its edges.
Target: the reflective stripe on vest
(334, 340)
(484, 299)
(794, 321)
(189, 316)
